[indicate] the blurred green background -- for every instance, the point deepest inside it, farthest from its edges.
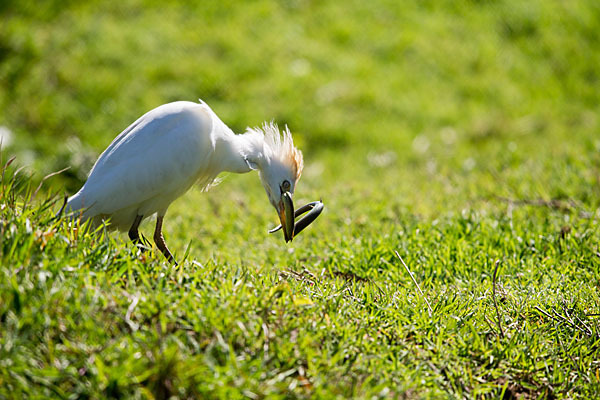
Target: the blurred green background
(435, 87)
(402, 108)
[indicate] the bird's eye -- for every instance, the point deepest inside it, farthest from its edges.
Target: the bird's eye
(285, 186)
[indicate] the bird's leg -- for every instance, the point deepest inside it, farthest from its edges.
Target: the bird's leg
(160, 240)
(134, 235)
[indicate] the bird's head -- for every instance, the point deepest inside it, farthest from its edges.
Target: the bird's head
(279, 169)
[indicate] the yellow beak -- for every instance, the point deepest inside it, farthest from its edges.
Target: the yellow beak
(286, 216)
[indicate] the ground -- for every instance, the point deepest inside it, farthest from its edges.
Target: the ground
(461, 134)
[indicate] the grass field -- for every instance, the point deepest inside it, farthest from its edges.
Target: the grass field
(465, 135)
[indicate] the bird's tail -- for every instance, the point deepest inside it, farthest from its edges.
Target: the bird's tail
(62, 208)
(74, 203)
(75, 207)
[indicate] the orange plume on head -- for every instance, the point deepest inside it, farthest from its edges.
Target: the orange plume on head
(297, 161)
(280, 145)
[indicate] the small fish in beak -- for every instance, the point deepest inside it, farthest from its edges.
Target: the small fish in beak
(314, 210)
(287, 215)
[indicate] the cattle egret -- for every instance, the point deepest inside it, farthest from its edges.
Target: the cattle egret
(162, 154)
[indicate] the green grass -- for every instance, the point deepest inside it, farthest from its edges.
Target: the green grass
(462, 134)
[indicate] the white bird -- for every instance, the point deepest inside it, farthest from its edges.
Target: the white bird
(161, 155)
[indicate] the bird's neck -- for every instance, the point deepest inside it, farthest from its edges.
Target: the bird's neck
(240, 153)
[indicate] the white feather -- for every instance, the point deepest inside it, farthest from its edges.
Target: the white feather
(161, 155)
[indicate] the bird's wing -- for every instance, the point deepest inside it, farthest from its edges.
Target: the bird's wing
(161, 154)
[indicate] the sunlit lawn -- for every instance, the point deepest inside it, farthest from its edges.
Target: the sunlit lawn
(463, 135)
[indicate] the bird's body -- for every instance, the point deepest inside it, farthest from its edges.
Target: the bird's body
(174, 147)
(161, 155)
